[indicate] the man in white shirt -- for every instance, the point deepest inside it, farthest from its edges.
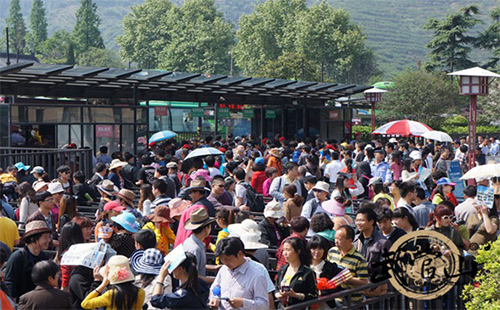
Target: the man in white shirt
(466, 208)
(333, 168)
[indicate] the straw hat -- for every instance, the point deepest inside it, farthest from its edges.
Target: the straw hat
(147, 261)
(161, 214)
(55, 188)
(248, 231)
(116, 163)
(333, 207)
(127, 220)
(322, 186)
(198, 218)
(197, 185)
(178, 205)
(119, 270)
(38, 185)
(36, 227)
(273, 209)
(127, 195)
(108, 187)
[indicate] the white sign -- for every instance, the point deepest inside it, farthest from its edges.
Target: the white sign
(89, 255)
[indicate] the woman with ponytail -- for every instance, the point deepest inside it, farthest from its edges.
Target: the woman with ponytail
(193, 292)
(293, 203)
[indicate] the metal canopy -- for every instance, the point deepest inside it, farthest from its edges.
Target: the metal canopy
(28, 79)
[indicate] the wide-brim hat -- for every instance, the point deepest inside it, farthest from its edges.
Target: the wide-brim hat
(201, 173)
(127, 195)
(108, 187)
(127, 220)
(178, 205)
(198, 185)
(55, 188)
(119, 270)
(36, 227)
(322, 186)
(38, 185)
(113, 205)
(147, 261)
(198, 218)
(416, 155)
(20, 166)
(273, 209)
(161, 214)
(251, 242)
(116, 163)
(333, 207)
(247, 226)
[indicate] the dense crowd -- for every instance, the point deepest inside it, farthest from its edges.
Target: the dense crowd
(286, 221)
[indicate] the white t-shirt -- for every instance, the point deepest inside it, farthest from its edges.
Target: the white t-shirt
(333, 169)
(213, 171)
(241, 192)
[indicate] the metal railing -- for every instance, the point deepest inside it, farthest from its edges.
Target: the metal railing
(49, 159)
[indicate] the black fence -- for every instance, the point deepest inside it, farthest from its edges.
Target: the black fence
(49, 159)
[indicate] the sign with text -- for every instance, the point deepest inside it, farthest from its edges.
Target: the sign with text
(248, 113)
(271, 114)
(334, 115)
(223, 112)
(455, 173)
(104, 131)
(161, 111)
(197, 112)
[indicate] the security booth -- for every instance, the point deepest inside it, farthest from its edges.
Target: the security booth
(51, 106)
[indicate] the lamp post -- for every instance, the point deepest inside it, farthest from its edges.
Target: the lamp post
(473, 82)
(373, 95)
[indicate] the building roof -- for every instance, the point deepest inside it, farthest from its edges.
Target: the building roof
(33, 79)
(13, 59)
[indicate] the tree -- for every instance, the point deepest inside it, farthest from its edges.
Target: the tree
(451, 44)
(421, 96)
(99, 57)
(70, 56)
(200, 39)
(55, 49)
(145, 33)
(86, 33)
(38, 26)
(17, 28)
(290, 66)
(490, 39)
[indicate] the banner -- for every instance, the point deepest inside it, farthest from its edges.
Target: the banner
(89, 255)
(271, 114)
(455, 173)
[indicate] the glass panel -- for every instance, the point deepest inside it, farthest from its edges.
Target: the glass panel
(127, 115)
(465, 79)
(475, 89)
(142, 116)
(108, 135)
(54, 114)
(4, 124)
(76, 135)
(62, 135)
(475, 80)
(182, 120)
(465, 89)
(101, 115)
(128, 138)
(18, 114)
(142, 137)
(88, 136)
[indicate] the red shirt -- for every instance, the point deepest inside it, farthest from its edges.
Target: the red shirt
(258, 179)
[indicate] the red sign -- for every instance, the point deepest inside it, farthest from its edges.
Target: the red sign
(161, 111)
(333, 115)
(104, 131)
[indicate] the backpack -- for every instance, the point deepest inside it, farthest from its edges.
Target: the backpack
(254, 201)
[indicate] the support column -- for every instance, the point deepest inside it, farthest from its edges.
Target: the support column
(305, 120)
(262, 136)
(373, 118)
(216, 118)
(472, 130)
(198, 128)
(283, 121)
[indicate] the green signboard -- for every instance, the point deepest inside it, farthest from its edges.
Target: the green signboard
(248, 113)
(223, 112)
(197, 112)
(271, 114)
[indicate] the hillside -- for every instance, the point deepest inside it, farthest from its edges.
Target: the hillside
(394, 28)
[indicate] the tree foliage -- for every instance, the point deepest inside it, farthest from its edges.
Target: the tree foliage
(490, 40)
(86, 33)
(452, 44)
(99, 57)
(54, 50)
(325, 37)
(38, 27)
(421, 96)
(17, 28)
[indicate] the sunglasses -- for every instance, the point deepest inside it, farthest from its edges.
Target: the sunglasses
(447, 217)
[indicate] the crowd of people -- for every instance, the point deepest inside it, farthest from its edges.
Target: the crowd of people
(321, 208)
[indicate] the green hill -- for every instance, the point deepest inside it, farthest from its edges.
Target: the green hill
(394, 28)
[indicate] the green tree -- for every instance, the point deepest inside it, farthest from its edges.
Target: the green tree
(431, 92)
(70, 56)
(38, 26)
(55, 49)
(451, 44)
(200, 39)
(490, 39)
(17, 28)
(86, 33)
(290, 66)
(99, 57)
(145, 33)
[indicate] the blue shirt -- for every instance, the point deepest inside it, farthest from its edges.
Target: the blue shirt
(382, 170)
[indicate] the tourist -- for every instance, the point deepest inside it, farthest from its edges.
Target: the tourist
(122, 240)
(146, 197)
(272, 231)
(314, 206)
(293, 203)
(159, 223)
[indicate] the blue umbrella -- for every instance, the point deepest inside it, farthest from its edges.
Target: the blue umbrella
(161, 135)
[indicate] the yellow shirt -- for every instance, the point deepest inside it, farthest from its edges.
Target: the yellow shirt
(384, 195)
(8, 232)
(93, 300)
(437, 199)
(164, 237)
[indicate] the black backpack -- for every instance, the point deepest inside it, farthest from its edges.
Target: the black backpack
(254, 201)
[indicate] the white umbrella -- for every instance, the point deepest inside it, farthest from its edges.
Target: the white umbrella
(204, 151)
(483, 171)
(437, 135)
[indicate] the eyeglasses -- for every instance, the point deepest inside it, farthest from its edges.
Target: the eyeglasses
(447, 217)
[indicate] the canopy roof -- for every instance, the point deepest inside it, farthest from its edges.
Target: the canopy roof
(476, 71)
(28, 79)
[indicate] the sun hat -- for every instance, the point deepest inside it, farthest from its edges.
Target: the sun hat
(259, 161)
(147, 261)
(393, 140)
(445, 181)
(368, 147)
(274, 151)
(38, 185)
(322, 186)
(198, 185)
(38, 169)
(273, 209)
(198, 218)
(247, 226)
(201, 173)
(119, 270)
(55, 188)
(108, 187)
(178, 205)
(161, 214)
(127, 220)
(172, 165)
(116, 163)
(36, 227)
(20, 166)
(375, 180)
(127, 195)
(333, 207)
(416, 155)
(113, 205)
(301, 145)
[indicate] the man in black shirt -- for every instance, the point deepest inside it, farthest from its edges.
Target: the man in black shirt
(147, 172)
(129, 171)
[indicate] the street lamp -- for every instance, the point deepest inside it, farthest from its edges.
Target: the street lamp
(473, 82)
(374, 95)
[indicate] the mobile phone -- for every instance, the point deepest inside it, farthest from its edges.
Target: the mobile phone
(222, 298)
(286, 288)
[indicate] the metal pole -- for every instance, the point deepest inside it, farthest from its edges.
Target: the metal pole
(8, 53)
(262, 136)
(373, 117)
(198, 129)
(216, 118)
(472, 131)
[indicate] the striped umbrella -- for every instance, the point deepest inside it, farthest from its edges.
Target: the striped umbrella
(161, 135)
(403, 128)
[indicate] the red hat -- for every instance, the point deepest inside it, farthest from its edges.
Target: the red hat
(264, 141)
(282, 138)
(113, 205)
(186, 146)
(223, 150)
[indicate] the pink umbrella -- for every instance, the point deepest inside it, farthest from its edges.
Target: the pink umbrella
(403, 128)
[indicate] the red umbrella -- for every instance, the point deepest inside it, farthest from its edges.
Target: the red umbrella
(403, 128)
